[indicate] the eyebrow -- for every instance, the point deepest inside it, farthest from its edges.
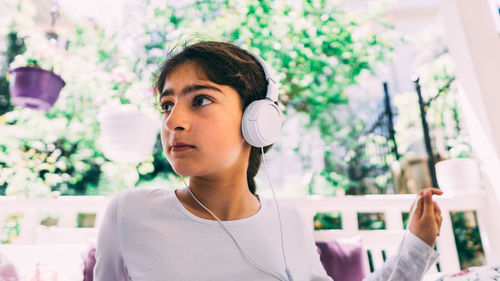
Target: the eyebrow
(191, 88)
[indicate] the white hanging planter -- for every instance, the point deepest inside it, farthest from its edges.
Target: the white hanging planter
(458, 176)
(127, 134)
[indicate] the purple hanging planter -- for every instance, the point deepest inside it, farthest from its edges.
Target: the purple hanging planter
(34, 87)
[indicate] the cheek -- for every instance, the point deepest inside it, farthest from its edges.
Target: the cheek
(221, 132)
(163, 134)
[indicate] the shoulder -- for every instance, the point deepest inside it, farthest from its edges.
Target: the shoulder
(287, 210)
(293, 223)
(130, 199)
(140, 195)
(288, 207)
(291, 209)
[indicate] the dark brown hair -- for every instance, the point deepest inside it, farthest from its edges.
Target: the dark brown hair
(225, 64)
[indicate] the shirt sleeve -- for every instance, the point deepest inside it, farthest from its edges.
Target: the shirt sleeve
(412, 264)
(109, 260)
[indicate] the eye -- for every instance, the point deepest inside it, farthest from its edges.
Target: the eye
(202, 100)
(166, 107)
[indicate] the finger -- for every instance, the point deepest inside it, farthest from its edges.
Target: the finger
(434, 191)
(428, 204)
(437, 215)
(419, 208)
(439, 221)
(437, 210)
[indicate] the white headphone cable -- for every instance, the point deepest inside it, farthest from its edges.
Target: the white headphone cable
(260, 266)
(288, 273)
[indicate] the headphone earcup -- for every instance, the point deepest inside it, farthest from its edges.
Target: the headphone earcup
(261, 123)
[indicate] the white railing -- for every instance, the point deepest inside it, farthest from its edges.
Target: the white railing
(393, 206)
(388, 240)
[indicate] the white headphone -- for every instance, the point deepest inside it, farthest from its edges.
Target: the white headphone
(261, 122)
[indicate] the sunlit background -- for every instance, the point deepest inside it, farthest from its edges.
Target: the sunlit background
(374, 94)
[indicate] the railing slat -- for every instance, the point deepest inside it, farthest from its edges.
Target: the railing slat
(482, 224)
(446, 245)
(377, 258)
(68, 218)
(28, 223)
(394, 219)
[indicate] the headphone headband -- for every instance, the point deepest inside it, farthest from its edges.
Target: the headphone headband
(272, 82)
(261, 123)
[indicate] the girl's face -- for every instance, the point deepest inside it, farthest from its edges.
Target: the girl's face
(207, 118)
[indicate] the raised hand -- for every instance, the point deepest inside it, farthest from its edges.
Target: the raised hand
(427, 219)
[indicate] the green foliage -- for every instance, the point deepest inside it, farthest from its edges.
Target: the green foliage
(11, 228)
(371, 221)
(367, 170)
(15, 46)
(315, 47)
(327, 221)
(58, 152)
(467, 238)
(318, 51)
(86, 220)
(405, 216)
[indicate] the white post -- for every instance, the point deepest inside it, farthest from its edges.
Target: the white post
(475, 46)
(350, 221)
(67, 218)
(394, 219)
(29, 222)
(488, 225)
(449, 260)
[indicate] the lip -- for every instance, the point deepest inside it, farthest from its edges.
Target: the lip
(180, 146)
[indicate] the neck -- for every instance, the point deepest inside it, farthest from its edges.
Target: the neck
(227, 198)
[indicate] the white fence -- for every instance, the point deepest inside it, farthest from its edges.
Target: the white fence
(392, 206)
(375, 241)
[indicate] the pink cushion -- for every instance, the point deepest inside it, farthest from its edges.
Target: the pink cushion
(343, 261)
(8, 271)
(88, 271)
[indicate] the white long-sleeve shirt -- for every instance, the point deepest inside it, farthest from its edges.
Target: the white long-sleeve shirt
(148, 235)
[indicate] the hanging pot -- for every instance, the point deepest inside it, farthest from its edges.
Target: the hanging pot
(458, 176)
(127, 134)
(34, 87)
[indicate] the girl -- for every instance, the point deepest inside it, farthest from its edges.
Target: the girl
(218, 228)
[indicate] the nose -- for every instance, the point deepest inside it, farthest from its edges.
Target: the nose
(177, 119)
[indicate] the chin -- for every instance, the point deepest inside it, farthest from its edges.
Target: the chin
(183, 170)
